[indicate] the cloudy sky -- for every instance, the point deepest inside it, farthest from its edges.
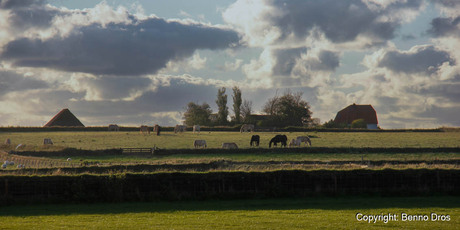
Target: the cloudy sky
(140, 62)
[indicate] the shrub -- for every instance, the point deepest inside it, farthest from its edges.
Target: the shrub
(358, 124)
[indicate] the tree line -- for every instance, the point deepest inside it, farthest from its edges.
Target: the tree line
(288, 109)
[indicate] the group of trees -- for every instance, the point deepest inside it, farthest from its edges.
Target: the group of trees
(286, 110)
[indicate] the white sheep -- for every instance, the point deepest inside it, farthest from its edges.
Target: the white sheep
(11, 162)
(69, 159)
(6, 162)
(4, 166)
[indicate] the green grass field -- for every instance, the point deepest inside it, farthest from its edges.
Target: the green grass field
(310, 213)
(169, 140)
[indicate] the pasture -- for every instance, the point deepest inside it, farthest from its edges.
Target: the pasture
(307, 213)
(170, 140)
(236, 161)
(338, 212)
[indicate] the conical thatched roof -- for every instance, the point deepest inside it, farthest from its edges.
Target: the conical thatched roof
(64, 118)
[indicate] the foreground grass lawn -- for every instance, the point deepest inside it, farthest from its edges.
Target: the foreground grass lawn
(312, 213)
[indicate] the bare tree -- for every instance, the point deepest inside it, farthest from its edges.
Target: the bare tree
(246, 110)
(270, 107)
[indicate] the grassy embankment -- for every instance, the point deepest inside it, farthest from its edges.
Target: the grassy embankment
(310, 213)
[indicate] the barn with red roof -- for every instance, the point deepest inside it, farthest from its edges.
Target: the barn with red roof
(355, 112)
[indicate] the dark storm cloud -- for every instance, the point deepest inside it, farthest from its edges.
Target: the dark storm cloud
(388, 104)
(143, 47)
(447, 3)
(328, 61)
(446, 90)
(444, 27)
(166, 98)
(12, 4)
(11, 82)
(443, 115)
(28, 14)
(172, 95)
(426, 59)
(286, 60)
(341, 21)
(116, 87)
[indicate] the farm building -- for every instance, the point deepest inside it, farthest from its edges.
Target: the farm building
(64, 118)
(355, 112)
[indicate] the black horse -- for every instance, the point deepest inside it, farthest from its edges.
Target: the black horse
(255, 140)
(278, 138)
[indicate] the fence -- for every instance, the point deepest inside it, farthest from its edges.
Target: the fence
(137, 150)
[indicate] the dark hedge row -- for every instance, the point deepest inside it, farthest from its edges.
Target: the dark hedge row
(69, 152)
(226, 185)
(221, 165)
(307, 150)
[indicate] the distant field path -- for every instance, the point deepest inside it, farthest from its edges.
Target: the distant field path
(33, 162)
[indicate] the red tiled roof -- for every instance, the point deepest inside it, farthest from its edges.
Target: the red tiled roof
(64, 118)
(354, 112)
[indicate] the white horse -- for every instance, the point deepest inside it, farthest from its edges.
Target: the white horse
(200, 144)
(304, 139)
(145, 129)
(47, 141)
(231, 145)
(196, 128)
(114, 127)
(180, 128)
(247, 128)
(293, 143)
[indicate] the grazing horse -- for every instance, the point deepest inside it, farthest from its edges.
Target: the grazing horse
(255, 140)
(293, 143)
(200, 144)
(113, 127)
(196, 128)
(145, 129)
(180, 128)
(231, 145)
(157, 129)
(47, 141)
(278, 138)
(304, 139)
(247, 128)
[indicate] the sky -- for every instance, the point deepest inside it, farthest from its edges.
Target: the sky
(141, 62)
